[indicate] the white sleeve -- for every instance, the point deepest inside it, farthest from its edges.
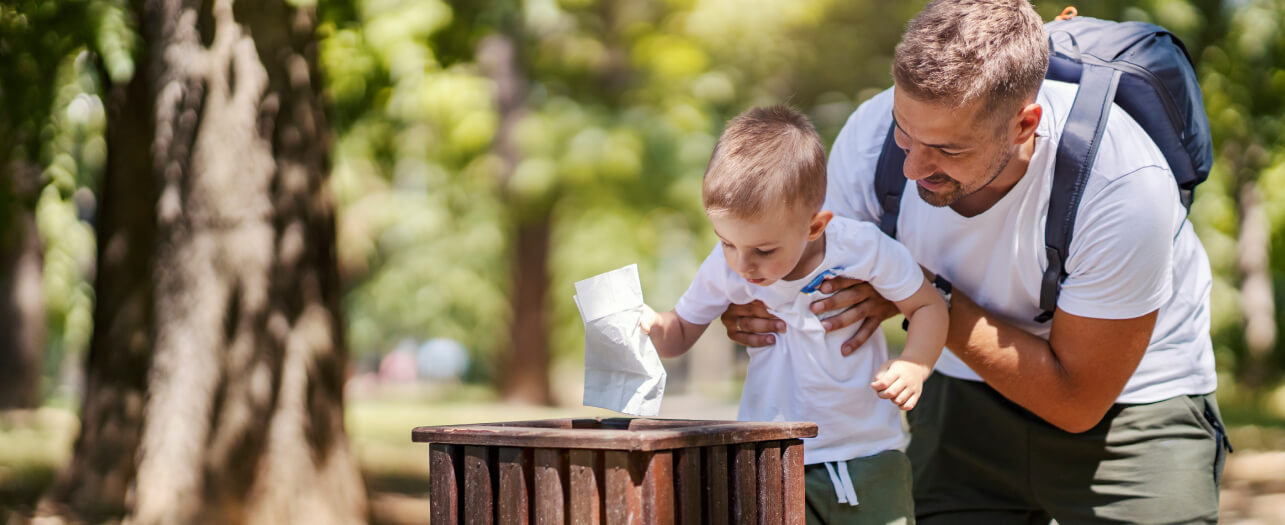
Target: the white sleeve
(1121, 260)
(850, 173)
(885, 263)
(707, 298)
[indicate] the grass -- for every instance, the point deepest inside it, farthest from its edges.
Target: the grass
(35, 444)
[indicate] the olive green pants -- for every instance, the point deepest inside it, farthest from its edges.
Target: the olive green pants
(979, 458)
(882, 484)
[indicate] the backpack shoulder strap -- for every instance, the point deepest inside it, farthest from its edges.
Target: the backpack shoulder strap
(1076, 152)
(889, 182)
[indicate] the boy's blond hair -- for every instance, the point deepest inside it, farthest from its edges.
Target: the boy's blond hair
(958, 51)
(766, 159)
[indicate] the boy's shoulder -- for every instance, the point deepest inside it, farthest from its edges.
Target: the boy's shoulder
(847, 233)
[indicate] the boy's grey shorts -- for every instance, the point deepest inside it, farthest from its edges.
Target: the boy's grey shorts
(979, 458)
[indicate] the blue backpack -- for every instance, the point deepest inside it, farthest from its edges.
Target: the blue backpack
(1147, 72)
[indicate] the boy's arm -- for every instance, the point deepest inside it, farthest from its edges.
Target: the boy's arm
(929, 323)
(671, 334)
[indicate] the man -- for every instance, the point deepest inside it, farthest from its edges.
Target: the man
(1103, 414)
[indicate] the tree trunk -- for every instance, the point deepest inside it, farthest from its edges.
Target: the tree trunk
(22, 305)
(525, 376)
(238, 311)
(94, 484)
(1256, 296)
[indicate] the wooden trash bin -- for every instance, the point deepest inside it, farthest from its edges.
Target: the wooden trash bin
(616, 470)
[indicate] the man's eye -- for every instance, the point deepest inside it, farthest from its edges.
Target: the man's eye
(951, 154)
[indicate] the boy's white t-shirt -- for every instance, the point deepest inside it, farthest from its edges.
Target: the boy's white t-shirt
(1132, 250)
(804, 376)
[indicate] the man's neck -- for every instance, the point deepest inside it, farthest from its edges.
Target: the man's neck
(982, 200)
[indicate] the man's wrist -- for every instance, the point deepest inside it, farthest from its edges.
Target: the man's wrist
(944, 288)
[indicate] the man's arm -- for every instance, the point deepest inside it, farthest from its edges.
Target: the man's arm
(1071, 380)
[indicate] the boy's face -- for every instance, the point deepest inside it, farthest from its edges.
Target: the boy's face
(769, 247)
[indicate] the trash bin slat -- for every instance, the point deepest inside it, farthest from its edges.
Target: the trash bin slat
(624, 476)
(551, 483)
(716, 481)
(586, 487)
(658, 488)
(687, 485)
(769, 483)
(444, 483)
(478, 493)
(516, 478)
(794, 498)
(744, 492)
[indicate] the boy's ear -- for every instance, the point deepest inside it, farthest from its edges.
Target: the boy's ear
(818, 224)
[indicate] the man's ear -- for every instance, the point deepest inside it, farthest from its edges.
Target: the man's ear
(1027, 120)
(818, 224)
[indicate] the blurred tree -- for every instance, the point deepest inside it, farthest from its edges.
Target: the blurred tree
(1242, 66)
(217, 269)
(33, 35)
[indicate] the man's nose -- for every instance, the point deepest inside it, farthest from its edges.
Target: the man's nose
(917, 165)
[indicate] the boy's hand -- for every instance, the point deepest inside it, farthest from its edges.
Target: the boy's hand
(648, 320)
(901, 381)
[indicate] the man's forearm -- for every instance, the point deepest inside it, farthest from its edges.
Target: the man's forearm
(1028, 370)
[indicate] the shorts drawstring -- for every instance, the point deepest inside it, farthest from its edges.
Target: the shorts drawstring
(842, 482)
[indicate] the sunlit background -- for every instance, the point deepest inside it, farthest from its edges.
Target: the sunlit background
(460, 218)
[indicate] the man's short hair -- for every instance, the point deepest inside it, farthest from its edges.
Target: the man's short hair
(958, 51)
(766, 158)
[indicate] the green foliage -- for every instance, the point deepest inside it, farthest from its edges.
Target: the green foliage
(623, 101)
(52, 57)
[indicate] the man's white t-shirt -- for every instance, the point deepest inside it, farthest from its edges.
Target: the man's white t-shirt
(804, 376)
(1132, 250)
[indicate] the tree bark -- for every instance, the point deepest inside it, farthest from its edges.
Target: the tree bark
(525, 376)
(22, 305)
(235, 332)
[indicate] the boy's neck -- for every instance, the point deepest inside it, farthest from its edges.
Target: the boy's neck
(813, 254)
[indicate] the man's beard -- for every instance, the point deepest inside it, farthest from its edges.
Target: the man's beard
(956, 191)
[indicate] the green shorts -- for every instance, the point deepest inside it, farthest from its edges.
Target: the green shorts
(882, 485)
(980, 458)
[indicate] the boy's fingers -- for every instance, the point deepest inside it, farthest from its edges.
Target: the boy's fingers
(903, 397)
(891, 391)
(911, 403)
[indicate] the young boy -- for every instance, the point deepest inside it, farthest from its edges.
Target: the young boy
(763, 191)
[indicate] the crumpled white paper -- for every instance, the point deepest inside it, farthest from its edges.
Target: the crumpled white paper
(622, 370)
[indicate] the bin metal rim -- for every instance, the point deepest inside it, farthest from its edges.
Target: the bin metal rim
(643, 435)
